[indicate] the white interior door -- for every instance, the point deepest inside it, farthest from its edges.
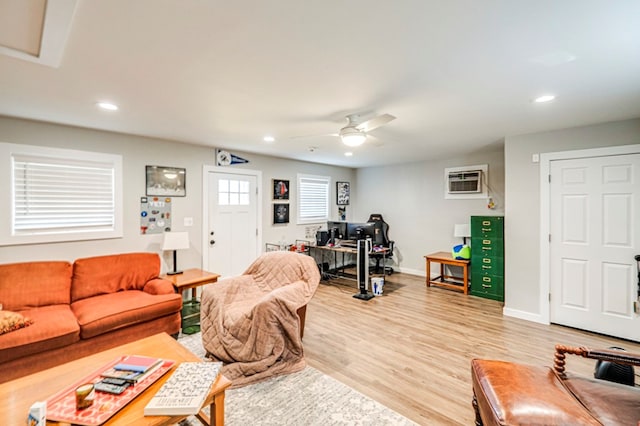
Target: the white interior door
(233, 237)
(594, 218)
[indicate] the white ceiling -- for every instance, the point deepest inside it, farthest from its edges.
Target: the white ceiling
(459, 75)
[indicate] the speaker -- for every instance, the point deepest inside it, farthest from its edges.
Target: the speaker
(321, 238)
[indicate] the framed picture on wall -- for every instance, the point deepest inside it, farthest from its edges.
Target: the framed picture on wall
(166, 181)
(280, 189)
(343, 193)
(280, 213)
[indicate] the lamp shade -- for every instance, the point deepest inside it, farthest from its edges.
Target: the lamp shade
(462, 230)
(175, 241)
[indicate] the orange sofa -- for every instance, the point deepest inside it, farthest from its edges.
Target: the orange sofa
(94, 304)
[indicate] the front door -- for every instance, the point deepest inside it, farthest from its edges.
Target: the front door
(232, 228)
(595, 235)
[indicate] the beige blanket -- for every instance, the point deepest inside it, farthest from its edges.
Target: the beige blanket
(250, 323)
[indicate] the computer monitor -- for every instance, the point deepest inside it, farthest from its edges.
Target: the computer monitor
(360, 231)
(340, 229)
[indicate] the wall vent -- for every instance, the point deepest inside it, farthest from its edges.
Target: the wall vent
(466, 182)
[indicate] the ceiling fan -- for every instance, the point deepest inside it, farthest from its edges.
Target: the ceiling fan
(355, 132)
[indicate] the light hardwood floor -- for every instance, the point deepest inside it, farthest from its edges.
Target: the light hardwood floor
(411, 348)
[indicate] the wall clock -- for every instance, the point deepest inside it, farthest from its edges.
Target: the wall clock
(223, 158)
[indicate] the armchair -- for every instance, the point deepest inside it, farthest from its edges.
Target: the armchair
(506, 393)
(254, 322)
(382, 240)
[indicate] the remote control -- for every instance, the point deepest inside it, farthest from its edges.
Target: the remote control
(114, 381)
(109, 388)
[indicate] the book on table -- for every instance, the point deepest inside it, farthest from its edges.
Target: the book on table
(185, 391)
(133, 368)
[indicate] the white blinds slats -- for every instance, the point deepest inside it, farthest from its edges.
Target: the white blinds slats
(313, 199)
(62, 195)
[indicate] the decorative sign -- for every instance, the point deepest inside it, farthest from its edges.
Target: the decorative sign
(166, 181)
(155, 215)
(225, 158)
(280, 189)
(343, 193)
(280, 213)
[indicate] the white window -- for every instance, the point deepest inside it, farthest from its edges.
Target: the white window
(59, 195)
(313, 199)
(233, 192)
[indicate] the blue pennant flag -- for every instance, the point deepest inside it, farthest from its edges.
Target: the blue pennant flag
(237, 160)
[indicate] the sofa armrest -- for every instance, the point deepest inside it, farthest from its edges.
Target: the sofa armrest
(621, 357)
(159, 286)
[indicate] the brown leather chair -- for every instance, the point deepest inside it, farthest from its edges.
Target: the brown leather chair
(506, 393)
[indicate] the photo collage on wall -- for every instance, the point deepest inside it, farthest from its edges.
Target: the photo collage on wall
(280, 193)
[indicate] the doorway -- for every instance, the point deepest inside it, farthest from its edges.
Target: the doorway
(593, 225)
(231, 219)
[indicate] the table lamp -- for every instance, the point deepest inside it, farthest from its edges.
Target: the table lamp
(175, 241)
(463, 231)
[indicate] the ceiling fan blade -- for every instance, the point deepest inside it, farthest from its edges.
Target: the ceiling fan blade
(313, 136)
(372, 140)
(375, 122)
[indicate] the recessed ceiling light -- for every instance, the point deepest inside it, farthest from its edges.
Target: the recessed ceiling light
(544, 98)
(348, 154)
(268, 139)
(108, 106)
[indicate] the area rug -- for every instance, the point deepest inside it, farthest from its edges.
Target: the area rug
(308, 398)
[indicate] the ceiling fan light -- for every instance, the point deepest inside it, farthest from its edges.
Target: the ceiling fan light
(352, 137)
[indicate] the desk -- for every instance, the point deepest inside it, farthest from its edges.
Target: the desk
(343, 250)
(448, 281)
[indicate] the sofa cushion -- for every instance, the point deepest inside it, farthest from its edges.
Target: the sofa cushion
(93, 276)
(610, 403)
(53, 326)
(31, 284)
(108, 312)
(11, 321)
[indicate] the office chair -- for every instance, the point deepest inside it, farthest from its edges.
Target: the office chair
(384, 241)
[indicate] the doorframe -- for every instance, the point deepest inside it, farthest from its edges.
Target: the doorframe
(206, 169)
(545, 211)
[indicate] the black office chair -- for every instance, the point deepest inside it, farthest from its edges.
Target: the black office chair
(382, 239)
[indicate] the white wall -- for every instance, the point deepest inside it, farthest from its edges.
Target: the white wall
(410, 197)
(522, 190)
(138, 152)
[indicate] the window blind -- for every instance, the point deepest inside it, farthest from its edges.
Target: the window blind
(313, 199)
(59, 195)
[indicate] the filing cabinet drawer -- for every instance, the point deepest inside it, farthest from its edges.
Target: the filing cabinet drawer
(488, 265)
(487, 247)
(487, 226)
(489, 286)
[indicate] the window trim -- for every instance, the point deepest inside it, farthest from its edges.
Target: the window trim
(9, 237)
(317, 219)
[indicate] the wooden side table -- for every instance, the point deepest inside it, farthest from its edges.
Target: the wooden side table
(191, 279)
(448, 281)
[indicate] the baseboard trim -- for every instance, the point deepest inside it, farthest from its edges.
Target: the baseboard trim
(418, 272)
(528, 316)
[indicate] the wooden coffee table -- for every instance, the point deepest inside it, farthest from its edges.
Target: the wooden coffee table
(16, 396)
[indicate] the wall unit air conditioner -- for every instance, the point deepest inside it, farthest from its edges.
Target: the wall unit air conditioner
(465, 182)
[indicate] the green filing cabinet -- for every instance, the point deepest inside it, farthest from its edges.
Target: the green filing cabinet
(487, 257)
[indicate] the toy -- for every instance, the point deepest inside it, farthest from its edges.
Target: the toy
(461, 252)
